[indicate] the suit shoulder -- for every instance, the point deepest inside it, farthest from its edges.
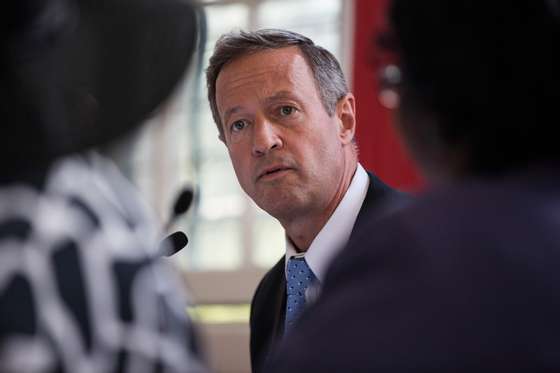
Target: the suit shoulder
(380, 200)
(379, 187)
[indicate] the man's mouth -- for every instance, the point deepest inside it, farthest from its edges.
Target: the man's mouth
(271, 172)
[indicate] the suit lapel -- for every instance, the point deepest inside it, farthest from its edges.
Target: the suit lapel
(280, 305)
(377, 196)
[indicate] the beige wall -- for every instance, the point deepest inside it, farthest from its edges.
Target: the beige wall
(227, 347)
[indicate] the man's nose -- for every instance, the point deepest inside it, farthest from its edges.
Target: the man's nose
(265, 138)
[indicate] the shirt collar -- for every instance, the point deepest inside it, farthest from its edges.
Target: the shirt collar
(336, 232)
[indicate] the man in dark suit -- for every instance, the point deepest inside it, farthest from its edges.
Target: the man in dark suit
(464, 279)
(284, 112)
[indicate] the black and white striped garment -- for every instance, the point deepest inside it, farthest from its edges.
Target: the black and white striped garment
(80, 288)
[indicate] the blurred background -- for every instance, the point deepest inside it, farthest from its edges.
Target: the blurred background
(231, 241)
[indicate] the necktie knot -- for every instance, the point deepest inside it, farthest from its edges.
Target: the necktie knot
(299, 278)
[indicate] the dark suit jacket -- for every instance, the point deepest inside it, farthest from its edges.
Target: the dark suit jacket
(466, 279)
(269, 302)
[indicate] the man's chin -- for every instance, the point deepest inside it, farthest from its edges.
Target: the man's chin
(280, 205)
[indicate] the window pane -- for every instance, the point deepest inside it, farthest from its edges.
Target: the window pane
(269, 241)
(218, 245)
(316, 19)
(216, 239)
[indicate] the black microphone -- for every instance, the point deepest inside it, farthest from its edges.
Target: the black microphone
(181, 205)
(172, 244)
(176, 241)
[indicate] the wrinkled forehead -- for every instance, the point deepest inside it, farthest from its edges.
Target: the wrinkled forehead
(263, 73)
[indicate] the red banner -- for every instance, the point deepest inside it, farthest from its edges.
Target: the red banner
(380, 148)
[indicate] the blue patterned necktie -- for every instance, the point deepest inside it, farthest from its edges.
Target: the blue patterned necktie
(299, 278)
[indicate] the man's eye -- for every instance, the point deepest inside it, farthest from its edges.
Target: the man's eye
(287, 110)
(238, 125)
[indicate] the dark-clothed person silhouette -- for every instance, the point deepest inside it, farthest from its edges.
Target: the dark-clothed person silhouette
(464, 279)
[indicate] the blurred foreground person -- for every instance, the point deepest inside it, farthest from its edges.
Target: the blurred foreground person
(466, 278)
(80, 287)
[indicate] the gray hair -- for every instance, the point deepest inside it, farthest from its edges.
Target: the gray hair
(328, 75)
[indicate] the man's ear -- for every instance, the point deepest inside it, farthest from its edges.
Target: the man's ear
(346, 114)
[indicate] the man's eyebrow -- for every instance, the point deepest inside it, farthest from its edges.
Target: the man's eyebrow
(276, 96)
(280, 95)
(229, 112)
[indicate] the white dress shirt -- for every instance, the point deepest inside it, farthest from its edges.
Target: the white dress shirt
(336, 232)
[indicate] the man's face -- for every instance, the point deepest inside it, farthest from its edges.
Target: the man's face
(286, 150)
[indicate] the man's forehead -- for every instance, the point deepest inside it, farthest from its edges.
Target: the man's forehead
(264, 64)
(270, 74)
(265, 56)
